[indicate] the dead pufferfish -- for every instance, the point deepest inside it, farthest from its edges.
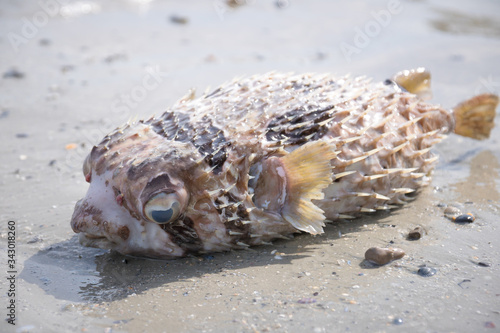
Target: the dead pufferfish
(263, 158)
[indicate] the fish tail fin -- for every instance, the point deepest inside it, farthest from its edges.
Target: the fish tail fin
(474, 118)
(308, 171)
(416, 81)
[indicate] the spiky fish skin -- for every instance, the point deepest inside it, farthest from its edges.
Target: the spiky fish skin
(214, 149)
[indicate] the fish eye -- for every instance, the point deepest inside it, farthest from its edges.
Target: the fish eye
(162, 208)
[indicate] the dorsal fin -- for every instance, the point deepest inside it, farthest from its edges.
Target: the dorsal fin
(416, 81)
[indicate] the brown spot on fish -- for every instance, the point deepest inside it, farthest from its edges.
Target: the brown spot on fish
(91, 210)
(123, 232)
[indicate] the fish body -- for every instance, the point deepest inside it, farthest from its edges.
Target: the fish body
(263, 158)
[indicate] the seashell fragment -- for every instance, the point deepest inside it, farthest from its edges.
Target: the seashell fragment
(382, 256)
(464, 218)
(452, 212)
(426, 271)
(416, 233)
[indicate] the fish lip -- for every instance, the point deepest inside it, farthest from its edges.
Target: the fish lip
(89, 236)
(100, 242)
(75, 218)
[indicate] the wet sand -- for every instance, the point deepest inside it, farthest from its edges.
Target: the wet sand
(75, 71)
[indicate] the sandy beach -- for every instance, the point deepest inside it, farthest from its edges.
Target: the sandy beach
(72, 71)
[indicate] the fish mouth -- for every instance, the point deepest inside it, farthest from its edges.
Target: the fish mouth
(100, 242)
(89, 236)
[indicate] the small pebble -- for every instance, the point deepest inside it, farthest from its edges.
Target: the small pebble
(4, 114)
(178, 19)
(484, 264)
(382, 256)
(416, 233)
(71, 146)
(282, 4)
(451, 212)
(489, 324)
(426, 271)
(13, 74)
(464, 218)
(34, 240)
(306, 300)
(21, 135)
(210, 58)
(115, 57)
(44, 42)
(235, 3)
(67, 68)
(398, 321)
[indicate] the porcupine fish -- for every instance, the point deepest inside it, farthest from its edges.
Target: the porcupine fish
(263, 158)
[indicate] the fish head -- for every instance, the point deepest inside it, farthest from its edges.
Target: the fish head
(141, 186)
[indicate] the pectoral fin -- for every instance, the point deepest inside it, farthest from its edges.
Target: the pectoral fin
(308, 171)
